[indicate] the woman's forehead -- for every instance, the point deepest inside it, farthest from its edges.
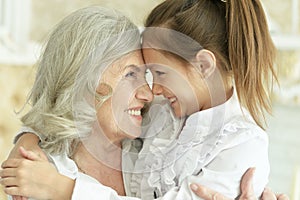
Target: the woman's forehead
(133, 61)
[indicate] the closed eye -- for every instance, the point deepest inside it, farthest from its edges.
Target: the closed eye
(159, 73)
(130, 74)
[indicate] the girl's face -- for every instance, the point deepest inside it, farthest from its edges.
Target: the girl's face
(120, 115)
(177, 81)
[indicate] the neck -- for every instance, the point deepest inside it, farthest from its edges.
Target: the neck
(103, 149)
(84, 155)
(219, 91)
(106, 173)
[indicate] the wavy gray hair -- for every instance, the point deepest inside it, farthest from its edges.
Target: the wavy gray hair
(69, 69)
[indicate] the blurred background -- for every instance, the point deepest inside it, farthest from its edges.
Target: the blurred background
(24, 25)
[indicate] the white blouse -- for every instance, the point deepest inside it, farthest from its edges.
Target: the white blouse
(214, 148)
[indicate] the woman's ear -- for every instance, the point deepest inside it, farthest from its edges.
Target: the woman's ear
(205, 62)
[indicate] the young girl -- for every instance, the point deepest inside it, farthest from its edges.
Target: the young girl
(212, 60)
(213, 131)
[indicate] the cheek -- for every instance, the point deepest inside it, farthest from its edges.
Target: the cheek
(122, 99)
(187, 105)
(105, 117)
(123, 95)
(188, 100)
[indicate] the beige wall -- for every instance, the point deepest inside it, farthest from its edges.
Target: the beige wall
(15, 81)
(46, 13)
(281, 12)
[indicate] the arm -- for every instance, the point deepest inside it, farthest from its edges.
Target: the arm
(26, 177)
(87, 188)
(82, 187)
(30, 142)
(247, 192)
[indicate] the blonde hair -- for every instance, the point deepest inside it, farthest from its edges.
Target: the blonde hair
(68, 73)
(236, 31)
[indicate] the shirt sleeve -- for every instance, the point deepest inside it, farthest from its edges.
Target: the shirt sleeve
(88, 188)
(23, 130)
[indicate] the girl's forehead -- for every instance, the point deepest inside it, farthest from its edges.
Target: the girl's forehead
(154, 56)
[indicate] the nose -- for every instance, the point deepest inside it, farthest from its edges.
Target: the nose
(144, 93)
(157, 89)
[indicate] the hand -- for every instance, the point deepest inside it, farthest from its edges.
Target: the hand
(30, 142)
(247, 192)
(268, 195)
(26, 177)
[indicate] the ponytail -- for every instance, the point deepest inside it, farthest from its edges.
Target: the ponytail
(236, 32)
(251, 56)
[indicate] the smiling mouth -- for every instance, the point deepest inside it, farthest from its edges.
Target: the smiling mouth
(172, 99)
(134, 112)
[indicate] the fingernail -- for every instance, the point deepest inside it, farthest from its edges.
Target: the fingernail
(267, 189)
(194, 187)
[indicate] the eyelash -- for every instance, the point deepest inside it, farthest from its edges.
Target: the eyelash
(159, 73)
(130, 74)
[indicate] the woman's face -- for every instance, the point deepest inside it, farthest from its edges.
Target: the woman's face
(177, 81)
(120, 116)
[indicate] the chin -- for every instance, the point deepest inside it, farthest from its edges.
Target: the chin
(178, 113)
(132, 132)
(134, 135)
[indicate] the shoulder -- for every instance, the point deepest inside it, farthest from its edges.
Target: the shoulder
(242, 129)
(243, 145)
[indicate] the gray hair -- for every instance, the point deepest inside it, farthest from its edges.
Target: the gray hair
(69, 69)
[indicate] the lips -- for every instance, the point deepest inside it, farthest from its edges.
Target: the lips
(135, 112)
(172, 99)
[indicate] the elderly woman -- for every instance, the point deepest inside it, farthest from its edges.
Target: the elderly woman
(89, 91)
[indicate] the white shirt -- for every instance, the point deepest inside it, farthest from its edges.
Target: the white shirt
(214, 148)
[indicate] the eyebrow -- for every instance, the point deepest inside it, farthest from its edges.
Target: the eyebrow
(135, 67)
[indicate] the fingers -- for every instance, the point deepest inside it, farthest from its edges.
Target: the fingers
(268, 195)
(19, 198)
(282, 197)
(247, 191)
(8, 172)
(11, 163)
(29, 154)
(8, 182)
(13, 191)
(206, 193)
